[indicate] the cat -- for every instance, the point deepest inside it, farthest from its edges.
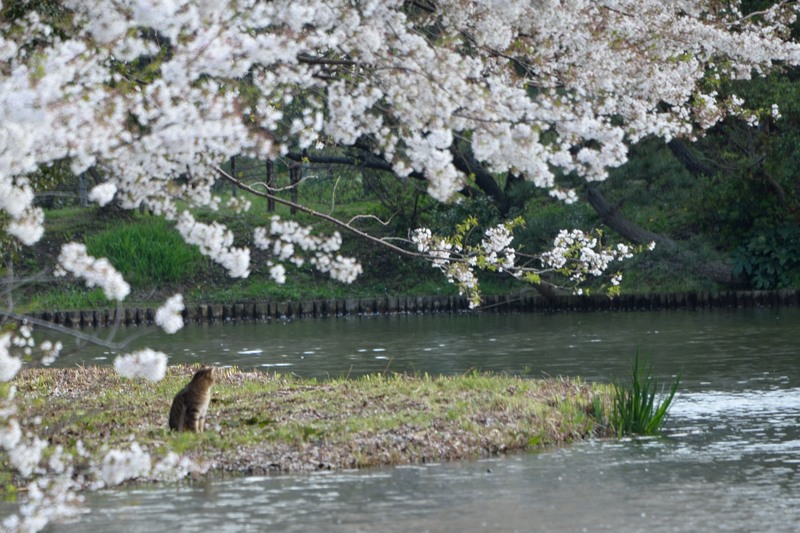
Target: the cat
(188, 412)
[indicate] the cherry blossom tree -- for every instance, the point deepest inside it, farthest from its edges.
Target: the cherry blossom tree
(149, 91)
(454, 93)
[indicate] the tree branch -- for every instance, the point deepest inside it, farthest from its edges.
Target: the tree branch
(717, 271)
(688, 159)
(317, 214)
(544, 288)
(315, 60)
(464, 161)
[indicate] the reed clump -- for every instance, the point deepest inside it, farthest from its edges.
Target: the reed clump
(635, 410)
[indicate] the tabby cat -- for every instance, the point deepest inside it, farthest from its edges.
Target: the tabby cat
(188, 412)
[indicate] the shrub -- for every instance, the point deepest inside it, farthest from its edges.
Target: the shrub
(771, 259)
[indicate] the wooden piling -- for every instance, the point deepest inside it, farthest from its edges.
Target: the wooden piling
(515, 302)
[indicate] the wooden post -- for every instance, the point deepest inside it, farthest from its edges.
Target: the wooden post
(234, 188)
(294, 179)
(82, 194)
(270, 186)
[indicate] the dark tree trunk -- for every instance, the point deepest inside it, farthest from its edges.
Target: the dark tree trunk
(627, 229)
(464, 161)
(689, 159)
(717, 271)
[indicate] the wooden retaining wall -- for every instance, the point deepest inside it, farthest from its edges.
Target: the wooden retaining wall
(524, 302)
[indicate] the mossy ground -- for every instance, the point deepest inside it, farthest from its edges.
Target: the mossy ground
(261, 422)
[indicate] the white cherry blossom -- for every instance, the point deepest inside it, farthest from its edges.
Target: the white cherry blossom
(148, 364)
(169, 316)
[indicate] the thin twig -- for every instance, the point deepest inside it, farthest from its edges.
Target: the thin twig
(381, 222)
(288, 187)
(333, 196)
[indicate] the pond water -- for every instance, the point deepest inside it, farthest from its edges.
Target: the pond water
(729, 460)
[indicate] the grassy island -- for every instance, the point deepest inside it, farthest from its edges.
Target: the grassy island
(261, 422)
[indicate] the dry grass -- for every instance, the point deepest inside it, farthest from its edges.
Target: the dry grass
(260, 422)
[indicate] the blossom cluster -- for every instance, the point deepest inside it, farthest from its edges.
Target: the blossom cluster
(291, 241)
(169, 316)
(215, 241)
(50, 493)
(582, 247)
(148, 364)
(457, 259)
(19, 343)
(97, 272)
(604, 73)
(48, 499)
(103, 193)
(577, 255)
(120, 465)
(9, 364)
(497, 241)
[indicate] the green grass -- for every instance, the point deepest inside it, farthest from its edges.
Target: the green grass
(68, 298)
(635, 410)
(258, 419)
(147, 250)
(65, 218)
(153, 259)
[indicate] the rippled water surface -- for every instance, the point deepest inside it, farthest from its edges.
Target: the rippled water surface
(729, 461)
(714, 349)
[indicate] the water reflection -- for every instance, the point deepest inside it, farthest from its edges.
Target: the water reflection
(729, 460)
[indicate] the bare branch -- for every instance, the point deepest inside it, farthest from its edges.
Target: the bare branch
(317, 214)
(764, 11)
(373, 217)
(316, 60)
(333, 195)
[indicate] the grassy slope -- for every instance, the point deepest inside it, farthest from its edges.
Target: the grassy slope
(259, 422)
(385, 273)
